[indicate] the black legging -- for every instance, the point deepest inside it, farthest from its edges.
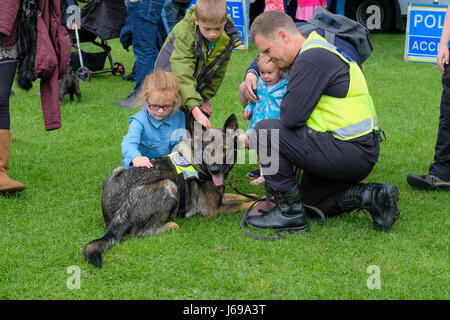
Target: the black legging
(7, 72)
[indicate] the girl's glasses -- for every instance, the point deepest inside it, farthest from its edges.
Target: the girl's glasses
(156, 107)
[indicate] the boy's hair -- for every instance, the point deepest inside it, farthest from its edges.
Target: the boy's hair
(211, 10)
(268, 23)
(159, 80)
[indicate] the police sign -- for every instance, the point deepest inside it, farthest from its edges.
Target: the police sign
(236, 10)
(423, 32)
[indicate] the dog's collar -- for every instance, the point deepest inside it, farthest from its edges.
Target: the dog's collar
(186, 169)
(184, 149)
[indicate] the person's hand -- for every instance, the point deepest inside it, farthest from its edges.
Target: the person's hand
(140, 161)
(250, 86)
(206, 107)
(245, 115)
(243, 141)
(200, 117)
(442, 56)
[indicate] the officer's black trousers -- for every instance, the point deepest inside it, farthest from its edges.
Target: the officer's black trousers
(441, 165)
(328, 165)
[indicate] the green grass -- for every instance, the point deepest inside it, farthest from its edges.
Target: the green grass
(43, 229)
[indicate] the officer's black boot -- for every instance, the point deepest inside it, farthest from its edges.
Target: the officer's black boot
(287, 215)
(379, 199)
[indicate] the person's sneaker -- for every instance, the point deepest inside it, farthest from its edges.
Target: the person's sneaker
(129, 102)
(427, 182)
(131, 76)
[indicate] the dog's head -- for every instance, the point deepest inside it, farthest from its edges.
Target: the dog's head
(69, 78)
(212, 151)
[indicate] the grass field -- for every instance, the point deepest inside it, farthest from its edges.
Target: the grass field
(43, 229)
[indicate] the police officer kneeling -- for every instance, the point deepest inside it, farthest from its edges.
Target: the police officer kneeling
(327, 127)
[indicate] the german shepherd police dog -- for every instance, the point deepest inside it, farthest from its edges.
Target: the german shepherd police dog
(139, 201)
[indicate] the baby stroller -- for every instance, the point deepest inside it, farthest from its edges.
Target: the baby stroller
(103, 19)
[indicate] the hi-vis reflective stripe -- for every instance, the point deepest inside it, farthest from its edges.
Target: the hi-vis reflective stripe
(318, 42)
(356, 128)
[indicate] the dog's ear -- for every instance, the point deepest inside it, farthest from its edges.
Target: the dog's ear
(231, 123)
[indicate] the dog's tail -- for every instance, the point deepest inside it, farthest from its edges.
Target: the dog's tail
(117, 228)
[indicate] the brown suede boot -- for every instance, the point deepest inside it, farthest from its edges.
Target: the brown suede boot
(6, 183)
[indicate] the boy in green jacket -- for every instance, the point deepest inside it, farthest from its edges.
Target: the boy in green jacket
(197, 51)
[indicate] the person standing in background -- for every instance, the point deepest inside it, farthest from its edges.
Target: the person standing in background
(145, 16)
(275, 5)
(9, 56)
(306, 8)
(438, 177)
(340, 6)
(175, 11)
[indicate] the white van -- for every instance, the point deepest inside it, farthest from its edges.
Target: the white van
(383, 15)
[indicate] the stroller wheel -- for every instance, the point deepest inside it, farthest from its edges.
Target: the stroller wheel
(118, 68)
(84, 74)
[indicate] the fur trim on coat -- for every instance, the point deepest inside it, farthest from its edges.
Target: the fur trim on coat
(27, 43)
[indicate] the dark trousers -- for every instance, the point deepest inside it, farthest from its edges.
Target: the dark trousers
(7, 72)
(329, 166)
(441, 165)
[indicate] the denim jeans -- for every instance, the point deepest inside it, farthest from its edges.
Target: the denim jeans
(175, 12)
(145, 16)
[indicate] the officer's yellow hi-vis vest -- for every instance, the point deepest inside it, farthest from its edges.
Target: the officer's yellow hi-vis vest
(349, 117)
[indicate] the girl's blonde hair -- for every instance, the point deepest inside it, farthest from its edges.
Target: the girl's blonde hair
(157, 81)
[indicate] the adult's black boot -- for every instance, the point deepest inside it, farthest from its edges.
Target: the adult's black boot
(379, 199)
(287, 215)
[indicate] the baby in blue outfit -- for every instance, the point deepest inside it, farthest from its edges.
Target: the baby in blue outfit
(271, 87)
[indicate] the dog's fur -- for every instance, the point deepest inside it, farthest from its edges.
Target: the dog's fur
(139, 201)
(69, 84)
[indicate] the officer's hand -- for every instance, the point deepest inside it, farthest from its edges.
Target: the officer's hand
(249, 87)
(442, 57)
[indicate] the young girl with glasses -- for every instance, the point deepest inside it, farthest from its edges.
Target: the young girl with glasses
(159, 126)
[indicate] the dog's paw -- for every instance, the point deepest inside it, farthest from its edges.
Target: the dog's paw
(171, 225)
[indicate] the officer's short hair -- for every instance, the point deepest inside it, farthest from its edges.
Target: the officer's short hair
(268, 23)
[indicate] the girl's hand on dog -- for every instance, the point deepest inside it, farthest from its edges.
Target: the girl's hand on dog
(142, 162)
